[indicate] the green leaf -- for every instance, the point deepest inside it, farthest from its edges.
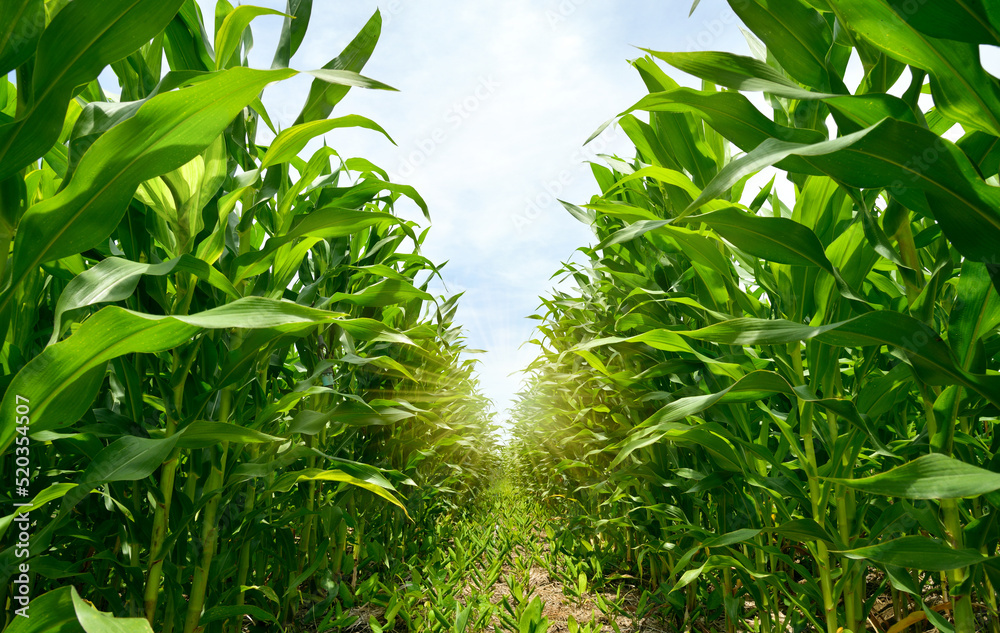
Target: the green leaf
(707, 435)
(286, 481)
(231, 32)
(773, 239)
(128, 459)
(754, 386)
(53, 492)
(717, 562)
(660, 174)
(115, 279)
(264, 589)
(856, 112)
(737, 72)
(381, 362)
(202, 434)
(975, 313)
(681, 132)
(371, 330)
(324, 95)
(632, 231)
(961, 20)
(224, 612)
(917, 552)
(63, 610)
(188, 43)
(290, 142)
(933, 476)
(768, 153)
(795, 34)
(180, 196)
(356, 414)
(804, 530)
(293, 31)
(384, 293)
(983, 150)
(729, 113)
(96, 119)
(731, 538)
(347, 79)
(325, 223)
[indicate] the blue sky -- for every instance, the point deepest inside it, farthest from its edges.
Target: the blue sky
(496, 100)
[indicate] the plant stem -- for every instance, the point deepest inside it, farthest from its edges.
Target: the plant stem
(815, 494)
(965, 620)
(209, 528)
(304, 542)
(244, 564)
(168, 472)
(160, 519)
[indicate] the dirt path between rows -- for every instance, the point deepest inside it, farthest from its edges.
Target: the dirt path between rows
(559, 605)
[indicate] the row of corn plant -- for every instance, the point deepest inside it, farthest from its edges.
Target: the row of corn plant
(229, 395)
(776, 406)
(494, 557)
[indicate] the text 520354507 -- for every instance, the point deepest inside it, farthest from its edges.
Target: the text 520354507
(22, 521)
